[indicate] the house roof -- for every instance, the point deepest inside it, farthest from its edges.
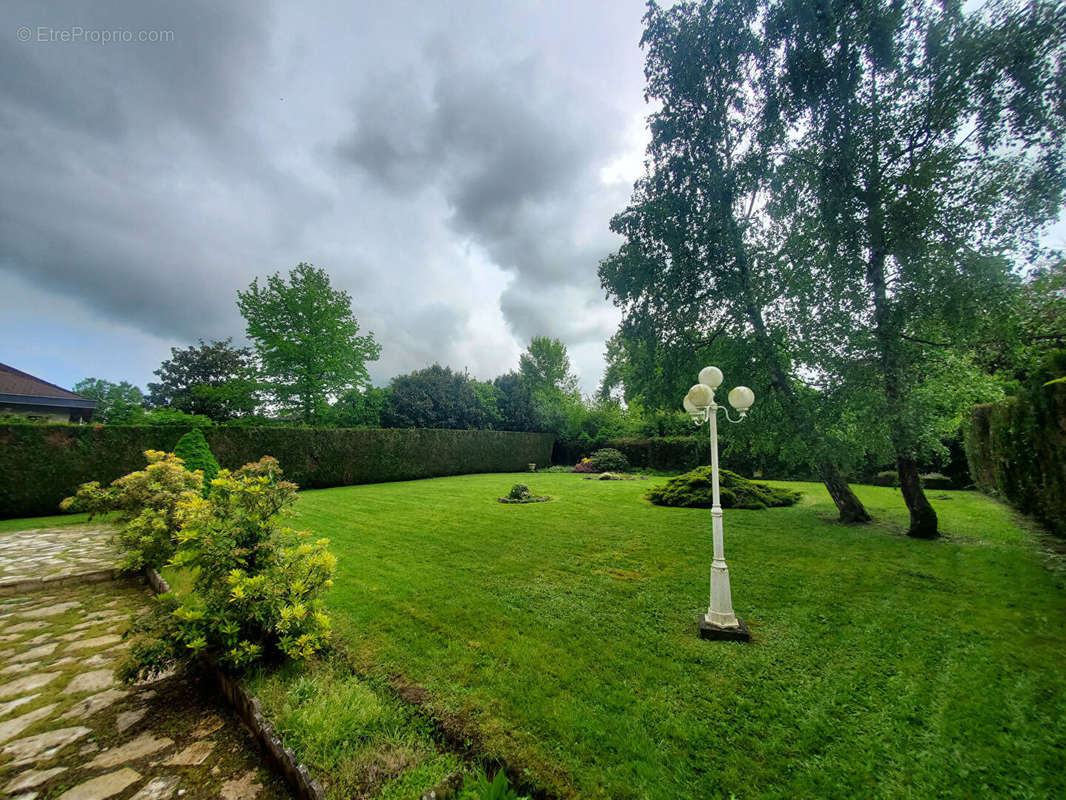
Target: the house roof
(18, 385)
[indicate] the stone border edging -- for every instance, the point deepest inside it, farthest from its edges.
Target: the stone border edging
(247, 707)
(21, 585)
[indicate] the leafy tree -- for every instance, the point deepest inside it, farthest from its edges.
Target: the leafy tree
(545, 365)
(307, 340)
(116, 403)
(216, 380)
(437, 397)
(1016, 344)
(552, 387)
(192, 448)
(170, 416)
(926, 143)
(360, 408)
(697, 258)
(515, 402)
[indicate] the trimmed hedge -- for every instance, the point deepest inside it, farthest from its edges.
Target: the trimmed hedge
(1017, 450)
(42, 464)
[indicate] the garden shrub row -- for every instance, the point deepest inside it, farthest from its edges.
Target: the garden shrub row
(1017, 450)
(42, 464)
(665, 453)
(682, 453)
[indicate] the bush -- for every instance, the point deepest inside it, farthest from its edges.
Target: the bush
(256, 584)
(584, 466)
(888, 477)
(695, 490)
(149, 507)
(608, 460)
(193, 450)
(934, 480)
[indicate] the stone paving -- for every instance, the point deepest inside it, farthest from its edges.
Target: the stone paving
(70, 731)
(48, 553)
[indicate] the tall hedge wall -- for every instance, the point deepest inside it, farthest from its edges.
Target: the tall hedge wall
(42, 464)
(1017, 449)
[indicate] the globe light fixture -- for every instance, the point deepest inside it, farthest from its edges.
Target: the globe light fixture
(741, 398)
(701, 395)
(711, 376)
(719, 622)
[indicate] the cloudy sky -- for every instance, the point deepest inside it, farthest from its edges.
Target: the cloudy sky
(452, 165)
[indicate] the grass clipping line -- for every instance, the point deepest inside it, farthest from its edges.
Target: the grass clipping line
(695, 489)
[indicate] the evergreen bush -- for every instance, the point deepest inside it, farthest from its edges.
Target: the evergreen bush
(192, 448)
(695, 490)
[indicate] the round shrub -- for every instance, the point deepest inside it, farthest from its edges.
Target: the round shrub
(887, 478)
(192, 448)
(608, 460)
(934, 480)
(695, 490)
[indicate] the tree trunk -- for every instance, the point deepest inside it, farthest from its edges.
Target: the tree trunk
(923, 517)
(850, 507)
(887, 333)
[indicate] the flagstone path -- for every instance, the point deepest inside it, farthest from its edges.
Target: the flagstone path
(50, 553)
(69, 730)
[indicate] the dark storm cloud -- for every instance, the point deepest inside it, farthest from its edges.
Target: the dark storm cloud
(107, 193)
(458, 196)
(515, 153)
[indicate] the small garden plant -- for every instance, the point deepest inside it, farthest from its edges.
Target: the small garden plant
(695, 490)
(520, 493)
(256, 584)
(148, 503)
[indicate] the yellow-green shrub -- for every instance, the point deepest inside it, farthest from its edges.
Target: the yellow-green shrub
(257, 584)
(148, 503)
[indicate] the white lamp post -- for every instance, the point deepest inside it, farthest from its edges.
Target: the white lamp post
(719, 622)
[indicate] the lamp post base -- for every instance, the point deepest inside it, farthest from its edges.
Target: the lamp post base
(709, 630)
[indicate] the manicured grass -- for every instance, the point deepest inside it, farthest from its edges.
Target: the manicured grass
(57, 521)
(563, 635)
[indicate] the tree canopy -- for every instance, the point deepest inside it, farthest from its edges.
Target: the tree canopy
(216, 380)
(116, 403)
(437, 397)
(307, 339)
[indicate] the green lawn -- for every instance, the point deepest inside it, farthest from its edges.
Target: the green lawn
(561, 638)
(564, 634)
